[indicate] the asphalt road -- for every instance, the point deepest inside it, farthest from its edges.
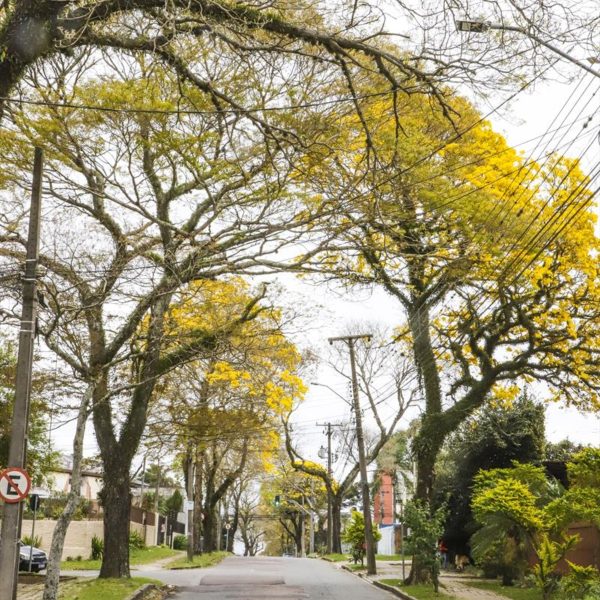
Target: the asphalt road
(261, 578)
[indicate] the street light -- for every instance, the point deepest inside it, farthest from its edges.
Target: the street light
(330, 389)
(478, 26)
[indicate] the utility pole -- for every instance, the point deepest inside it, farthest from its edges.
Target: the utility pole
(360, 440)
(17, 453)
(190, 510)
(329, 433)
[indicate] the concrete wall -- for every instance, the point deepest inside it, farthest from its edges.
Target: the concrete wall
(78, 541)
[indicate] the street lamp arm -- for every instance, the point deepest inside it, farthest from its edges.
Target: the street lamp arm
(330, 389)
(548, 45)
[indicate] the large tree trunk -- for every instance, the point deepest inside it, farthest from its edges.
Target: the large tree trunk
(116, 503)
(209, 527)
(336, 513)
(73, 498)
(233, 530)
(198, 511)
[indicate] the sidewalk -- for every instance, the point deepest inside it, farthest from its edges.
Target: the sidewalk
(455, 584)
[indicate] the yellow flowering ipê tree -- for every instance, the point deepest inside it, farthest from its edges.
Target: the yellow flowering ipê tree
(224, 410)
(492, 257)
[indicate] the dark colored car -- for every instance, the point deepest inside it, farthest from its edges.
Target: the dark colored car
(39, 560)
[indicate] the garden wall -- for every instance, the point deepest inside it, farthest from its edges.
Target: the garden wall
(587, 550)
(79, 535)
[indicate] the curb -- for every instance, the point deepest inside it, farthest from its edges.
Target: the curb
(141, 592)
(347, 568)
(384, 586)
(391, 589)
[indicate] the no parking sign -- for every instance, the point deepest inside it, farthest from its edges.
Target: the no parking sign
(15, 484)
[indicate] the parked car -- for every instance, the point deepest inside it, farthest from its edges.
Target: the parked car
(39, 560)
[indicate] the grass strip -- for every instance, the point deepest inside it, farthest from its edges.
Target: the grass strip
(137, 556)
(420, 591)
(106, 589)
(199, 561)
(336, 557)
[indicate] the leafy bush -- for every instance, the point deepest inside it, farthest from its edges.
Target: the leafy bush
(36, 541)
(52, 508)
(582, 583)
(97, 548)
(427, 527)
(355, 535)
(136, 541)
(180, 542)
(550, 553)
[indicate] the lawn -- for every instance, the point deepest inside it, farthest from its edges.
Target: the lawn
(357, 567)
(514, 593)
(383, 557)
(421, 591)
(336, 557)
(199, 561)
(107, 589)
(136, 557)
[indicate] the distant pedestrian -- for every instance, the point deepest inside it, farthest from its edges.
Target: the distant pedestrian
(443, 553)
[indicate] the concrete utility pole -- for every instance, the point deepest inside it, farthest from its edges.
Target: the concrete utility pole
(329, 433)
(190, 510)
(360, 440)
(17, 453)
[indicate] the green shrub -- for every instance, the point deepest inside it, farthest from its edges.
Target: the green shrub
(427, 527)
(354, 535)
(582, 583)
(550, 553)
(136, 541)
(36, 541)
(180, 542)
(97, 548)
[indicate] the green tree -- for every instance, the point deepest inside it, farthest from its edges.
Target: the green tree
(40, 457)
(426, 526)
(174, 502)
(186, 200)
(493, 437)
(507, 504)
(521, 511)
(354, 534)
(562, 451)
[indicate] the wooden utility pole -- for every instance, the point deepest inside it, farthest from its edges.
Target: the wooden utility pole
(17, 453)
(360, 440)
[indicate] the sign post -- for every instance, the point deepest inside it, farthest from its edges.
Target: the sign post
(34, 503)
(17, 451)
(15, 484)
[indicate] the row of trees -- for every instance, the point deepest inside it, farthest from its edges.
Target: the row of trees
(178, 162)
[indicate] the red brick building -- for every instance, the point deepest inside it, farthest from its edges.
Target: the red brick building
(383, 500)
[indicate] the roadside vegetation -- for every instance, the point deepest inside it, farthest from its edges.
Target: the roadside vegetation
(106, 589)
(199, 561)
(419, 591)
(138, 556)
